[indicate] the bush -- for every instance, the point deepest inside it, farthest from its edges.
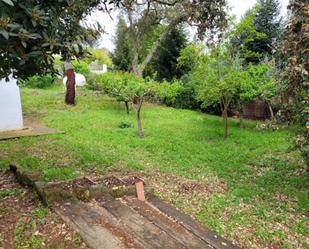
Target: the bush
(165, 92)
(38, 81)
(124, 124)
(81, 67)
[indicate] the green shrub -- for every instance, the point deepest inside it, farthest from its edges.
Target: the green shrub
(124, 124)
(81, 67)
(38, 81)
(165, 92)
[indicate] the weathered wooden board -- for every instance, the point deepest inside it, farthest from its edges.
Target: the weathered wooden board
(97, 227)
(144, 231)
(193, 226)
(172, 228)
(28, 131)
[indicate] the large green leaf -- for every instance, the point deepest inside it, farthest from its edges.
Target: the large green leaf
(9, 2)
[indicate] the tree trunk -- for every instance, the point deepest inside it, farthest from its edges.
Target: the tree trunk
(127, 107)
(241, 120)
(241, 116)
(139, 70)
(225, 116)
(272, 116)
(70, 84)
(137, 105)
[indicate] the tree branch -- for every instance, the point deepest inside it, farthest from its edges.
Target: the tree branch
(156, 44)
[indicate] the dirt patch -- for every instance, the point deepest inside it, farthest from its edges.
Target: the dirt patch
(25, 223)
(191, 194)
(117, 179)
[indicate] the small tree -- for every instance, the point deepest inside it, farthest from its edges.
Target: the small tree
(128, 88)
(219, 76)
(132, 90)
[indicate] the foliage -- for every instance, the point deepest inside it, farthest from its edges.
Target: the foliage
(255, 36)
(245, 36)
(188, 61)
(295, 48)
(268, 22)
(38, 81)
(218, 77)
(81, 66)
(190, 55)
(164, 62)
(144, 17)
(123, 86)
(32, 31)
(166, 92)
(124, 125)
(99, 56)
(122, 54)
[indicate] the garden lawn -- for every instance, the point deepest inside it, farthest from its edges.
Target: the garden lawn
(256, 184)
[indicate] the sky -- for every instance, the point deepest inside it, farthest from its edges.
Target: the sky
(239, 7)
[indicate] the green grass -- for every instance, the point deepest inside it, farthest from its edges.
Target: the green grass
(265, 178)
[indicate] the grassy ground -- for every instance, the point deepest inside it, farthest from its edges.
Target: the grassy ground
(257, 187)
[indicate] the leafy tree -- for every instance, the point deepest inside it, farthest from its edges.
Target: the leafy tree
(258, 82)
(166, 92)
(188, 61)
(143, 17)
(99, 55)
(130, 89)
(268, 22)
(255, 36)
(32, 31)
(122, 54)
(125, 87)
(295, 48)
(164, 62)
(218, 78)
(244, 38)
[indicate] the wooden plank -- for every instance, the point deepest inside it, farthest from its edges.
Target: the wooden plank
(175, 230)
(30, 130)
(195, 227)
(97, 228)
(145, 232)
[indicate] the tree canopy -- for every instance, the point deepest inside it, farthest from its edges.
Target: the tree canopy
(254, 37)
(143, 17)
(296, 69)
(32, 31)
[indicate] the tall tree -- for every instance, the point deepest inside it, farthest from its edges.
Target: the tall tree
(296, 71)
(144, 16)
(269, 22)
(255, 37)
(164, 62)
(122, 54)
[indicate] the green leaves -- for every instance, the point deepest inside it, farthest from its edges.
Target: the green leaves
(45, 28)
(9, 2)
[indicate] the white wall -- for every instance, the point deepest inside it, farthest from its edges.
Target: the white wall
(98, 69)
(11, 117)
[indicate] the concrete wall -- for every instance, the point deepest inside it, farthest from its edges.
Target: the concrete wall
(98, 69)
(11, 117)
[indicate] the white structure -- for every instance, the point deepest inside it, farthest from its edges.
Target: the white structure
(80, 80)
(98, 69)
(11, 116)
